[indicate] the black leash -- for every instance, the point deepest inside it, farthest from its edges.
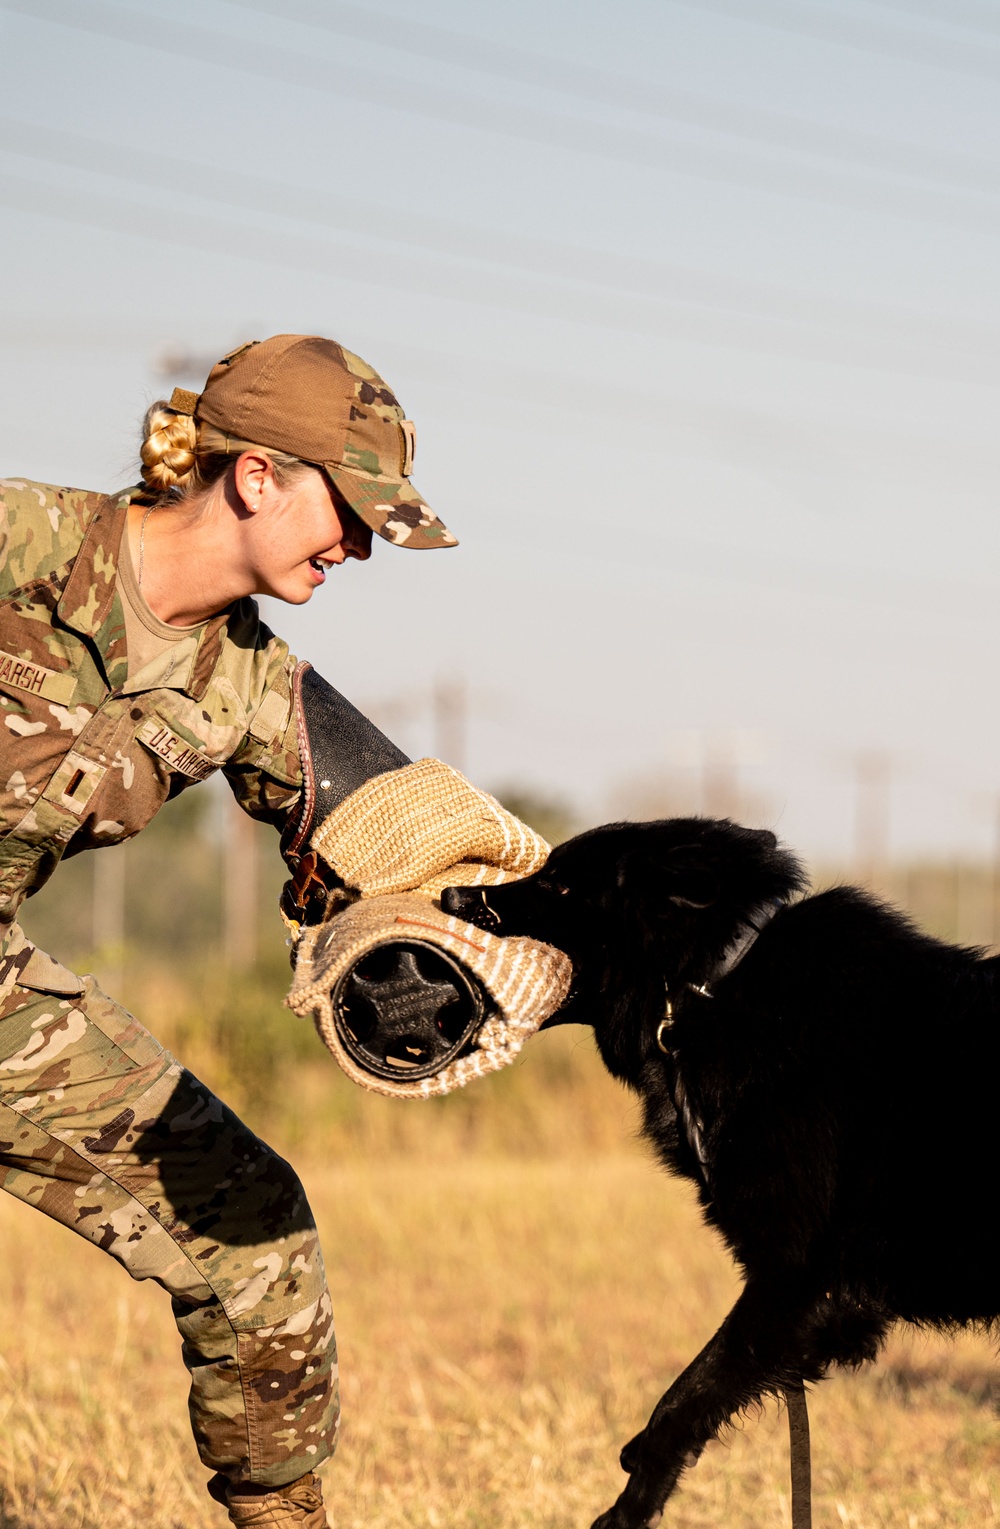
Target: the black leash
(799, 1454)
(800, 1457)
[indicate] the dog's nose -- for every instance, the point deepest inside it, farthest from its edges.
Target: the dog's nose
(470, 903)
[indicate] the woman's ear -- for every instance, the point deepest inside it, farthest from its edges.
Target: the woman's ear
(253, 476)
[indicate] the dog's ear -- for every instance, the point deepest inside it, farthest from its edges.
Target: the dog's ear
(678, 873)
(701, 890)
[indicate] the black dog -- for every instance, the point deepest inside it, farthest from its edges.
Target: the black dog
(825, 1073)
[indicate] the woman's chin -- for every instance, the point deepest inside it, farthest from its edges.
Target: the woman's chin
(290, 591)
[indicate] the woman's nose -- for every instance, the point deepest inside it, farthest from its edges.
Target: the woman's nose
(357, 542)
(352, 544)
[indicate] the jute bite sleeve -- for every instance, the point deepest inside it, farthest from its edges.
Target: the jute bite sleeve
(402, 829)
(397, 842)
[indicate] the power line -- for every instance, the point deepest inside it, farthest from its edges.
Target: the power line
(789, 173)
(824, 24)
(498, 59)
(911, 331)
(934, 348)
(971, 15)
(340, 258)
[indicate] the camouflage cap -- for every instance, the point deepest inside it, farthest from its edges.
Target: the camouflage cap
(317, 401)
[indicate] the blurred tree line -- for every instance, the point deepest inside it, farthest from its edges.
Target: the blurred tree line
(197, 950)
(217, 1002)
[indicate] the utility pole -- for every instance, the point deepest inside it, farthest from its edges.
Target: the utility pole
(108, 914)
(450, 712)
(871, 844)
(239, 891)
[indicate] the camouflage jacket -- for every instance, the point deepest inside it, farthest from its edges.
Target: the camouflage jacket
(89, 755)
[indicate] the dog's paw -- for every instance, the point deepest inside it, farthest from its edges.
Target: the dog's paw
(613, 1519)
(640, 1506)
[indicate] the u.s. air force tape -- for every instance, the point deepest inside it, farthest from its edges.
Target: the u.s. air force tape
(25, 674)
(173, 749)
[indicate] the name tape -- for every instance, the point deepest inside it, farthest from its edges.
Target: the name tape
(163, 741)
(23, 674)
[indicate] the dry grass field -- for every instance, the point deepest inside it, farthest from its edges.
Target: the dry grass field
(515, 1285)
(505, 1325)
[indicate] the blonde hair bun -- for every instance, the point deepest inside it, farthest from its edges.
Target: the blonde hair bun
(168, 449)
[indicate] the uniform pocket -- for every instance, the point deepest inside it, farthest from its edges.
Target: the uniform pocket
(24, 965)
(43, 974)
(193, 738)
(121, 1028)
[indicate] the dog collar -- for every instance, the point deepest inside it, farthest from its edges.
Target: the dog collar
(747, 935)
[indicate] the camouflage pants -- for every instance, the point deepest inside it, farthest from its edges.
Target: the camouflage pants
(104, 1131)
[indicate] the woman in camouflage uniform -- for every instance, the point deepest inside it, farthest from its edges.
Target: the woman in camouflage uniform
(132, 665)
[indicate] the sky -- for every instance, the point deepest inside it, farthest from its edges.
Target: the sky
(695, 307)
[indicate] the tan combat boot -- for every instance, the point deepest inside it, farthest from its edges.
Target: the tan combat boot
(299, 1505)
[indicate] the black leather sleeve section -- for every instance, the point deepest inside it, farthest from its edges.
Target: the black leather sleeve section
(339, 749)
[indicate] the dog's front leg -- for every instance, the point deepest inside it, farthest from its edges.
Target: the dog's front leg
(771, 1338)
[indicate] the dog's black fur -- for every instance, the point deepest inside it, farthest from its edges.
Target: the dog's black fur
(834, 1100)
